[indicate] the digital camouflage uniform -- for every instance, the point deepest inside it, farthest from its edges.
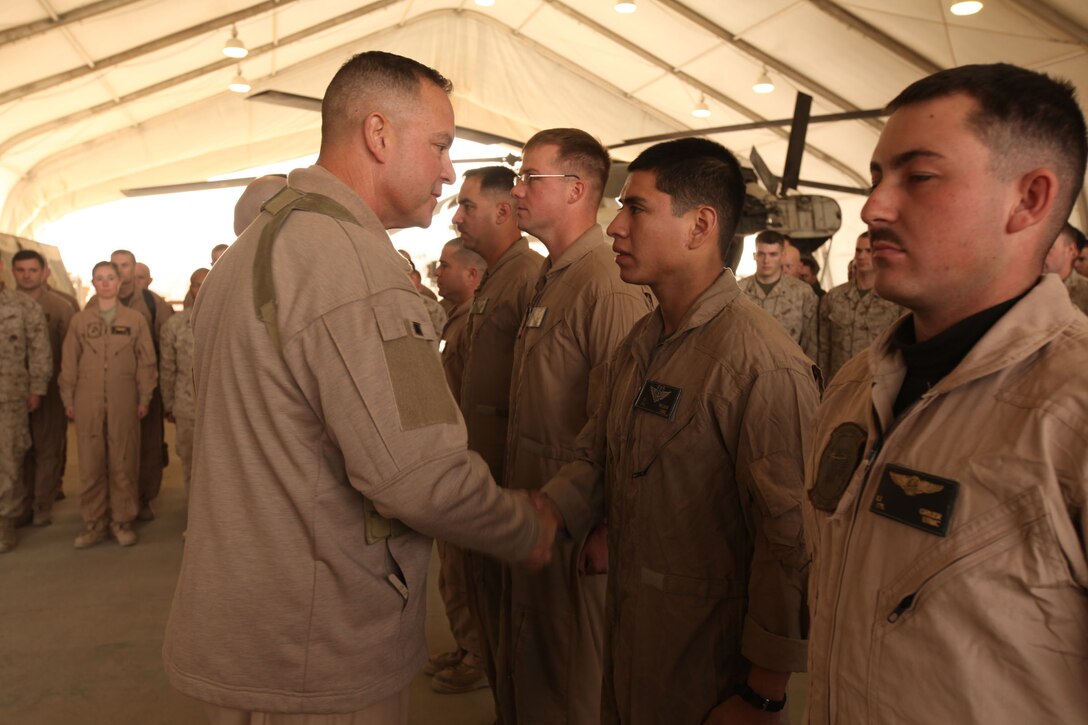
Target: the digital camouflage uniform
(176, 384)
(43, 466)
(26, 365)
(791, 302)
(849, 322)
(1077, 286)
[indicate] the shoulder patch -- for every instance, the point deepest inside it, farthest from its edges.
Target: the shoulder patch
(839, 460)
(415, 370)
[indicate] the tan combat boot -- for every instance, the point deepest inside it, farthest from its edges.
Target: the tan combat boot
(123, 533)
(443, 661)
(463, 677)
(8, 539)
(93, 533)
(42, 517)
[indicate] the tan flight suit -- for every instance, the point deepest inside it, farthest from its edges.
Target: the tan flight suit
(795, 306)
(453, 362)
(987, 621)
(176, 384)
(698, 449)
(151, 427)
(26, 365)
(1077, 287)
(849, 322)
(107, 371)
(43, 465)
(487, 348)
(552, 634)
(295, 595)
(451, 574)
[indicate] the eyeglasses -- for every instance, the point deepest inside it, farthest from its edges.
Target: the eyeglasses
(526, 178)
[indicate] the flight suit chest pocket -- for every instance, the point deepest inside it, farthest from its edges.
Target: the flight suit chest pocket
(415, 371)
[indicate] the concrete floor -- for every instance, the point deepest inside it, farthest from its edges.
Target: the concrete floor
(81, 631)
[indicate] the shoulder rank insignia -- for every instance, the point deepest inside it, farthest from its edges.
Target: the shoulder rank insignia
(916, 499)
(658, 398)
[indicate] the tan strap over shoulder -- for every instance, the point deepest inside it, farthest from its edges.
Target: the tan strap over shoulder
(280, 206)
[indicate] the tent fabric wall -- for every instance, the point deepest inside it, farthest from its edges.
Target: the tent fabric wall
(517, 67)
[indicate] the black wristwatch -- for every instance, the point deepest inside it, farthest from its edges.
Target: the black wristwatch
(758, 701)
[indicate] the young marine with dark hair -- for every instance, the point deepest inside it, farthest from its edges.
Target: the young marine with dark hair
(947, 501)
(694, 456)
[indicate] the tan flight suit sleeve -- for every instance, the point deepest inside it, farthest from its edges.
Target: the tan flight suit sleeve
(147, 373)
(578, 487)
(824, 329)
(604, 327)
(386, 406)
(168, 365)
(772, 445)
(809, 314)
(69, 367)
(39, 354)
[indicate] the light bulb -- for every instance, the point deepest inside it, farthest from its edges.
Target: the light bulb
(965, 8)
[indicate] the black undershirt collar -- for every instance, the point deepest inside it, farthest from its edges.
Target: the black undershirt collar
(927, 362)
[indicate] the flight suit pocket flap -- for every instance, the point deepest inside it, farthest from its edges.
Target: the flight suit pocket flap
(692, 586)
(415, 371)
(396, 322)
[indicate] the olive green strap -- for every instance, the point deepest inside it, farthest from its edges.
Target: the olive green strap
(280, 207)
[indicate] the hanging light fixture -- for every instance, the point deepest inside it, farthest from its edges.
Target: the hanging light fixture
(965, 8)
(763, 84)
(235, 48)
(626, 7)
(701, 110)
(239, 84)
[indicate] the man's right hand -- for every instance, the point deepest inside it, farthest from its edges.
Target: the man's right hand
(70, 411)
(549, 521)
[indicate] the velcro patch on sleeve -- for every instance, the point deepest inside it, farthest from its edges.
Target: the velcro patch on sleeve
(415, 370)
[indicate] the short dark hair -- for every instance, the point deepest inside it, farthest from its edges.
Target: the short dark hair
(770, 236)
(578, 151)
(24, 254)
(106, 264)
(115, 252)
(493, 178)
(812, 264)
(218, 247)
(1022, 114)
(694, 172)
(1076, 234)
(370, 73)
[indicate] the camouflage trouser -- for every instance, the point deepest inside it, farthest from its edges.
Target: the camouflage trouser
(183, 432)
(14, 440)
(43, 466)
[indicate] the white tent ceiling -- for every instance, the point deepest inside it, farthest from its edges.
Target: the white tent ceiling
(99, 96)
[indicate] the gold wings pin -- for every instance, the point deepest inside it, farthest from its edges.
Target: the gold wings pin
(913, 485)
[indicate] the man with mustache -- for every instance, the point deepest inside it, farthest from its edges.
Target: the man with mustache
(946, 503)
